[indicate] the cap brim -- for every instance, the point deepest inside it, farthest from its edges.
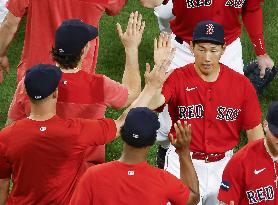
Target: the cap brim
(273, 129)
(208, 39)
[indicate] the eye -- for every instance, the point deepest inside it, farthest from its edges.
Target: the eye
(213, 51)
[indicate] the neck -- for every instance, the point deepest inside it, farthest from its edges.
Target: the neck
(42, 111)
(73, 70)
(131, 155)
(211, 77)
(270, 149)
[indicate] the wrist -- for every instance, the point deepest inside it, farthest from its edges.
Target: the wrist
(131, 49)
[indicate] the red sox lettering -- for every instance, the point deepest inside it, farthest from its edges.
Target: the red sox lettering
(261, 194)
(198, 3)
(197, 111)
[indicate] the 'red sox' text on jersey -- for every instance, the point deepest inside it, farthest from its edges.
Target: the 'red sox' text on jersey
(216, 110)
(250, 177)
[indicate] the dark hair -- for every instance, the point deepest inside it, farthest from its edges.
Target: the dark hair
(66, 61)
(206, 41)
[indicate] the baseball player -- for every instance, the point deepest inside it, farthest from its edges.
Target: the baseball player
(44, 153)
(37, 44)
(217, 101)
(226, 12)
(251, 176)
(125, 181)
(164, 15)
(83, 95)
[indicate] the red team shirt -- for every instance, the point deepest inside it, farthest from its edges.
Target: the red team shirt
(40, 17)
(119, 183)
(216, 110)
(249, 177)
(226, 12)
(80, 96)
(45, 158)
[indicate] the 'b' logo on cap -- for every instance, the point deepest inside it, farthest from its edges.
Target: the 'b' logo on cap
(210, 29)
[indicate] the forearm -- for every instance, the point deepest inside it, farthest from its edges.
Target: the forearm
(131, 77)
(255, 133)
(4, 190)
(151, 3)
(149, 97)
(7, 31)
(253, 22)
(189, 177)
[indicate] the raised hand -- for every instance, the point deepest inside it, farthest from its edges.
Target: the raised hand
(183, 137)
(162, 48)
(132, 37)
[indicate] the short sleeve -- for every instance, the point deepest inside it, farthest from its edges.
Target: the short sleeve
(18, 7)
(83, 193)
(232, 181)
(96, 132)
(251, 110)
(5, 168)
(178, 193)
(115, 6)
(115, 94)
(17, 107)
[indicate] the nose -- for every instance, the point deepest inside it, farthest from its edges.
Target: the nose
(207, 56)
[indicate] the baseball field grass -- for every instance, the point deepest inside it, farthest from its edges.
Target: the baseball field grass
(111, 59)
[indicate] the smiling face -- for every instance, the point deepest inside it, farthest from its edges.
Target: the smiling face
(271, 140)
(207, 56)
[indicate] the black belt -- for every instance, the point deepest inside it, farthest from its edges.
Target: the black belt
(179, 40)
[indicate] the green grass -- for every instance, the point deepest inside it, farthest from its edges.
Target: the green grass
(111, 58)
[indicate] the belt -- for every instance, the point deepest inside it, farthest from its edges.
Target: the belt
(179, 40)
(208, 157)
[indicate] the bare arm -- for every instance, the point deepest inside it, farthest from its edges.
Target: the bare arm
(150, 96)
(187, 172)
(131, 40)
(151, 3)
(4, 190)
(7, 31)
(255, 133)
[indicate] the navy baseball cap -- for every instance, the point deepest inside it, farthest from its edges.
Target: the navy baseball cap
(209, 31)
(140, 127)
(42, 80)
(73, 35)
(272, 118)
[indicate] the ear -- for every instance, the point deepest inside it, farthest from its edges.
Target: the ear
(191, 47)
(224, 48)
(265, 125)
(55, 94)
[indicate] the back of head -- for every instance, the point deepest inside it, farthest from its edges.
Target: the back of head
(70, 38)
(140, 127)
(41, 81)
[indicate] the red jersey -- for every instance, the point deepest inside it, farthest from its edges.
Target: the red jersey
(119, 183)
(216, 110)
(45, 158)
(81, 95)
(50, 14)
(249, 177)
(226, 12)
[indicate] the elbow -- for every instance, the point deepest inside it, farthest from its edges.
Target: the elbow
(194, 198)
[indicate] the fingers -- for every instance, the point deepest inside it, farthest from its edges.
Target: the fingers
(148, 68)
(134, 22)
(119, 30)
(262, 72)
(130, 24)
(155, 44)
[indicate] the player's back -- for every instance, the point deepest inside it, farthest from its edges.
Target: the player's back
(46, 159)
(120, 183)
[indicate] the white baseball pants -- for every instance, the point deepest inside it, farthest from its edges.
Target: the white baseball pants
(209, 174)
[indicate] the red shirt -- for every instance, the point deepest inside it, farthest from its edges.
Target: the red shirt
(45, 158)
(216, 110)
(249, 177)
(119, 183)
(48, 15)
(226, 12)
(81, 95)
